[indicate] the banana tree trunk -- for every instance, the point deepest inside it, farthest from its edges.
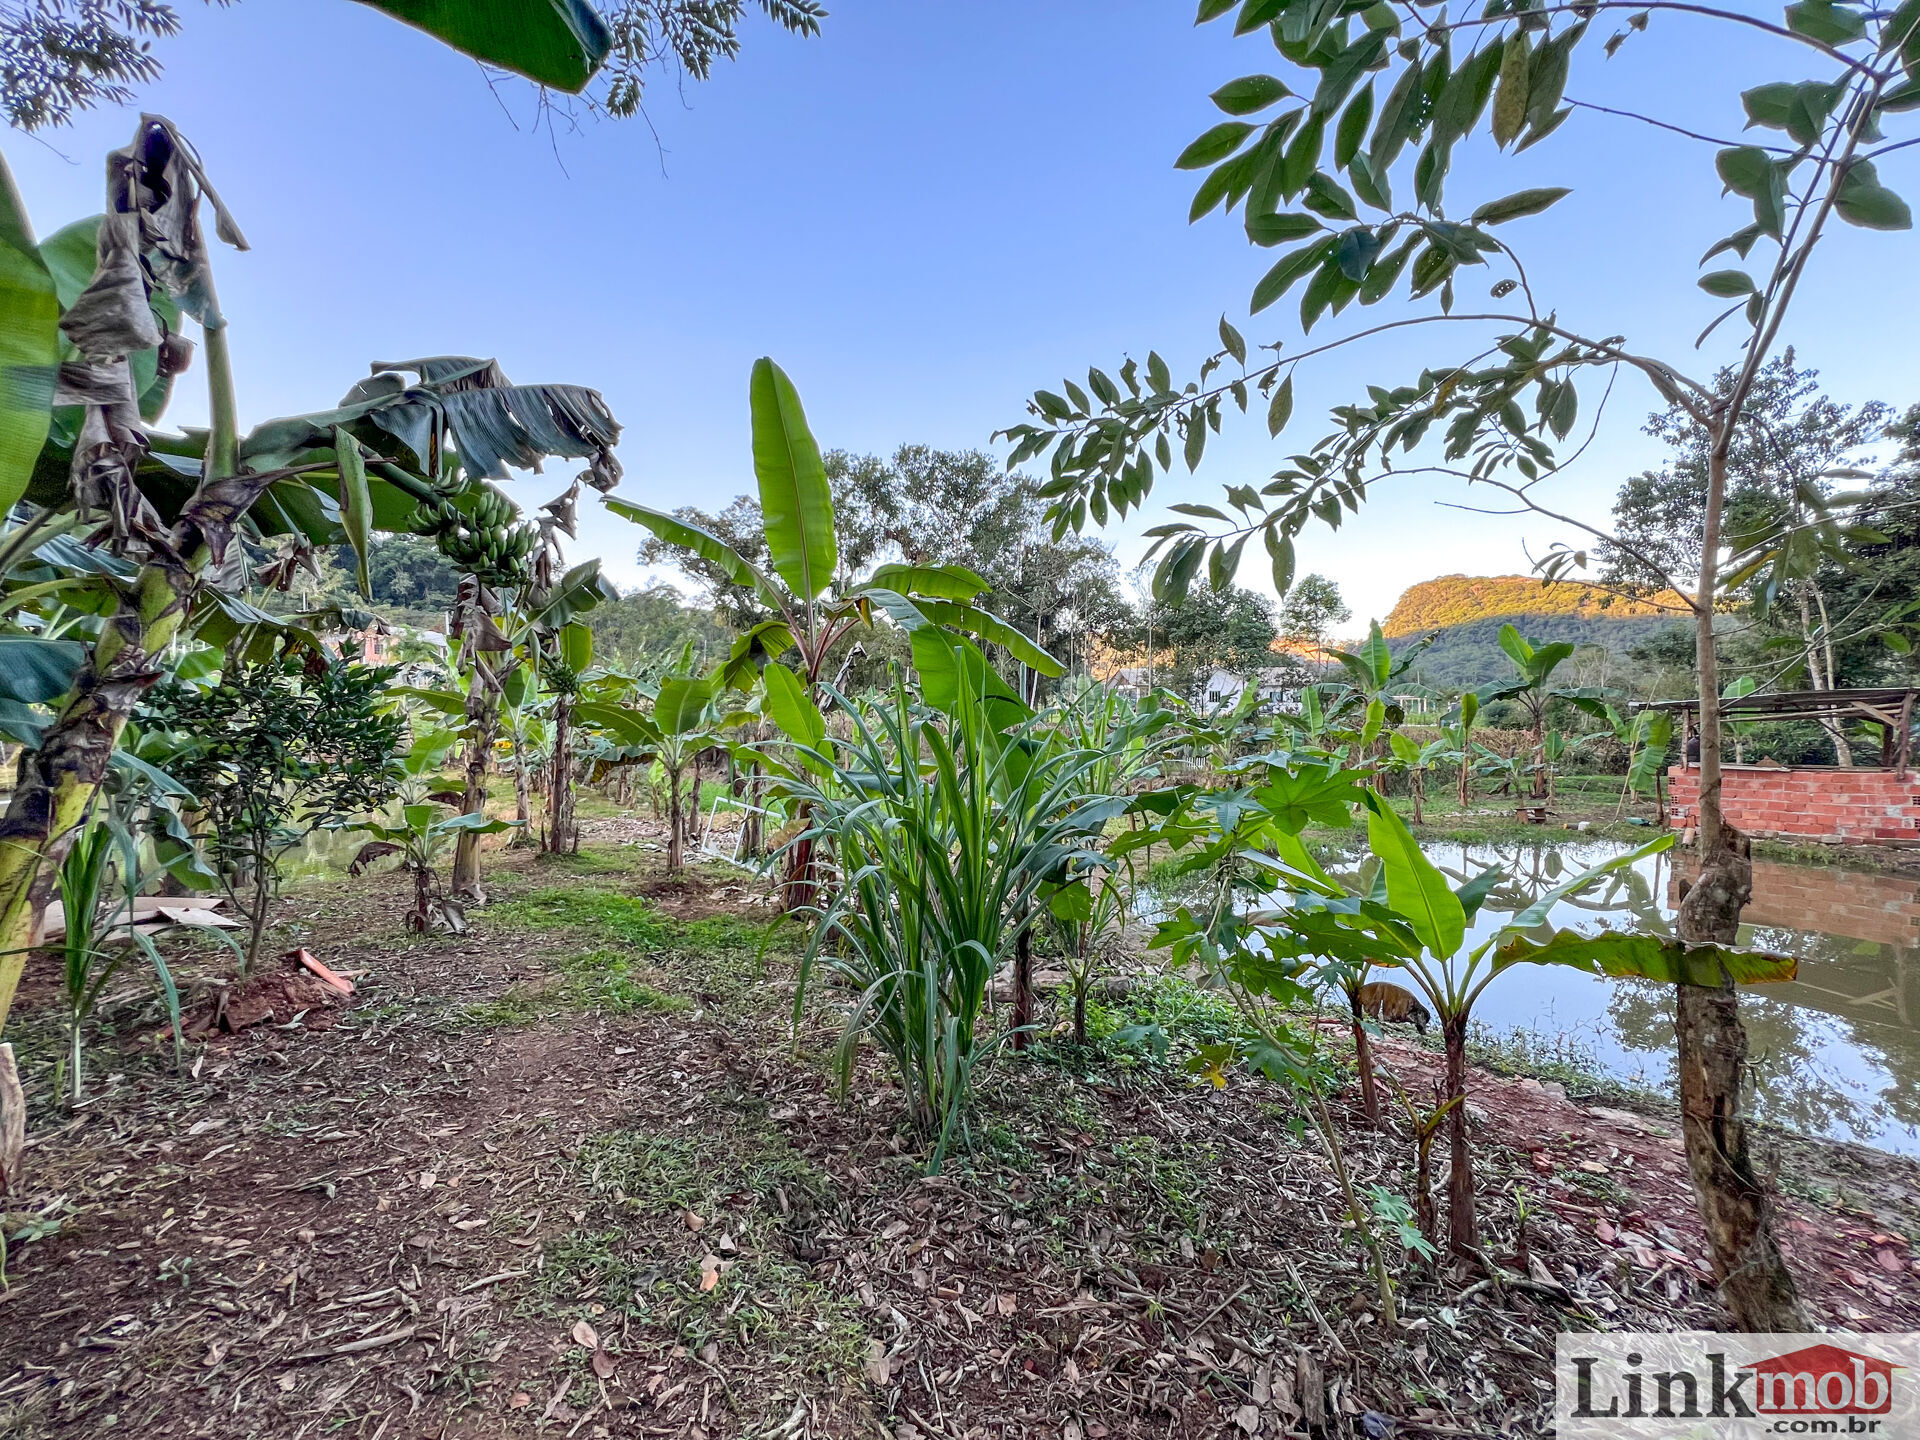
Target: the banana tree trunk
(1463, 1230)
(1736, 1206)
(483, 725)
(673, 821)
(522, 799)
(561, 839)
(58, 781)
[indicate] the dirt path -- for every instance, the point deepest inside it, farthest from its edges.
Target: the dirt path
(571, 1175)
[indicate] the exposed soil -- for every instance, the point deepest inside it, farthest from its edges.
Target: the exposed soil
(571, 1174)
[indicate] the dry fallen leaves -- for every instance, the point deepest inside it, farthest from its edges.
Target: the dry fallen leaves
(585, 1336)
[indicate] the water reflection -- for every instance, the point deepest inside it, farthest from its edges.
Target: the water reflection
(1836, 1052)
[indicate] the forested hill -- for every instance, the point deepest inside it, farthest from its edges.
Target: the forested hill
(1468, 611)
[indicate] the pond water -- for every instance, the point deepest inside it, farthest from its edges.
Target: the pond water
(1836, 1051)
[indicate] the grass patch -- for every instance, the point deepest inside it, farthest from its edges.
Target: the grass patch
(1065, 1171)
(605, 916)
(716, 961)
(758, 1200)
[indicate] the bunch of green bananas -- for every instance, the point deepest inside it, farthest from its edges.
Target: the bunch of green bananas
(487, 542)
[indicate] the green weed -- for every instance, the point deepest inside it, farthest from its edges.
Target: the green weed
(748, 1186)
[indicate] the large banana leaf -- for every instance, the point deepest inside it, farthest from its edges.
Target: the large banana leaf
(1416, 888)
(795, 501)
(36, 671)
(1646, 957)
(792, 708)
(681, 703)
(560, 43)
(1653, 730)
(629, 727)
(29, 345)
(707, 546)
(945, 582)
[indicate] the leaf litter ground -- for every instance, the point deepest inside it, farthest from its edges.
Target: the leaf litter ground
(573, 1174)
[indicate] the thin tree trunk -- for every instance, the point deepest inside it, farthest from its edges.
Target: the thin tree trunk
(1540, 756)
(1736, 1208)
(1363, 1061)
(522, 800)
(262, 898)
(673, 820)
(1463, 1231)
(1819, 677)
(1022, 989)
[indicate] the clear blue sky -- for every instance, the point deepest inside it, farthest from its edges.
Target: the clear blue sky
(923, 214)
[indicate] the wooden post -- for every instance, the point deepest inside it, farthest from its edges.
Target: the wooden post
(1906, 733)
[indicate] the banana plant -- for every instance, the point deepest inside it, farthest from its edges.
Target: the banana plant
(1372, 671)
(1457, 726)
(810, 606)
(1533, 689)
(811, 609)
(421, 837)
(681, 725)
(1409, 917)
(94, 317)
(1414, 760)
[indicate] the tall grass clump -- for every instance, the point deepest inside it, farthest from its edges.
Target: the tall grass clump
(948, 824)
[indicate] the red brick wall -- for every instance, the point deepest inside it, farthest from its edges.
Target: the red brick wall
(1857, 807)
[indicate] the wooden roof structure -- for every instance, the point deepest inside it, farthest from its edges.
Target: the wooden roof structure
(1889, 708)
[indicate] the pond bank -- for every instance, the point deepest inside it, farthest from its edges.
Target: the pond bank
(570, 1172)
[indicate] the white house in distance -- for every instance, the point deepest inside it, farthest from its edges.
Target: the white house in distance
(1279, 687)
